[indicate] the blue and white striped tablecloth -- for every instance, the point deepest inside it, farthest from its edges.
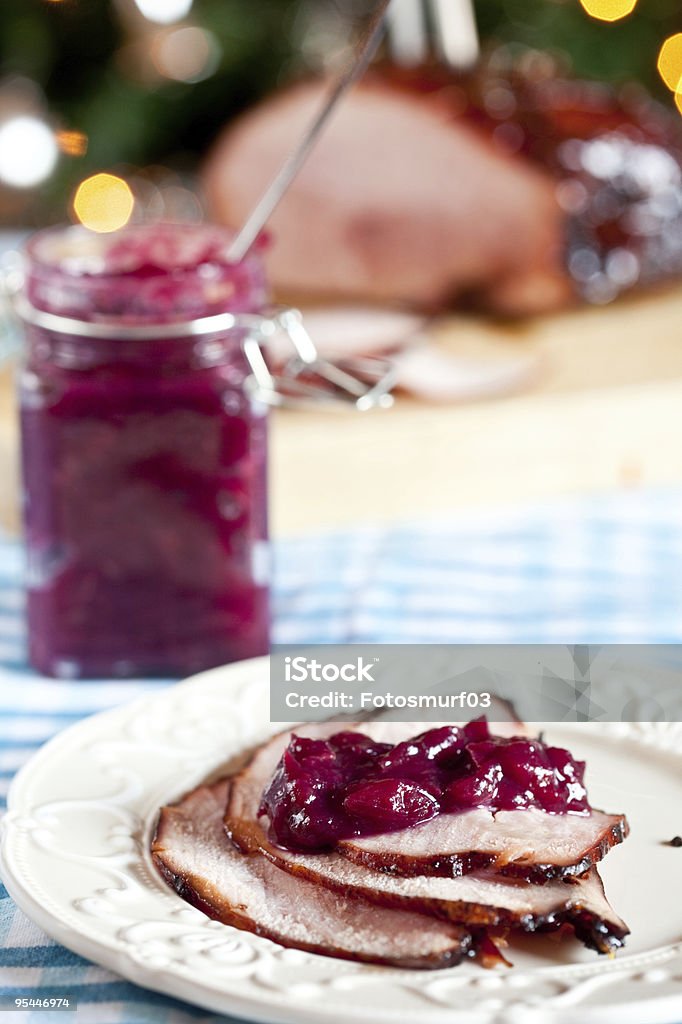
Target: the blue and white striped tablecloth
(601, 570)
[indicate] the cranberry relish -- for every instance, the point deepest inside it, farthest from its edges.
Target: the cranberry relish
(326, 790)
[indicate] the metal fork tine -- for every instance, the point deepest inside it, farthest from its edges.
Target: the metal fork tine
(456, 33)
(407, 32)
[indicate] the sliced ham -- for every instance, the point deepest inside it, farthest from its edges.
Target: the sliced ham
(528, 844)
(472, 900)
(196, 859)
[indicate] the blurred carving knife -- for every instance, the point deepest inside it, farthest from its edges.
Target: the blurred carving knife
(258, 218)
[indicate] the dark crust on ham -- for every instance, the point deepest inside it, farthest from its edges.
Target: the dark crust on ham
(603, 932)
(452, 946)
(454, 865)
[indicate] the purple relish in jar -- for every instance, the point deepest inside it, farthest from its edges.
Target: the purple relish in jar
(144, 456)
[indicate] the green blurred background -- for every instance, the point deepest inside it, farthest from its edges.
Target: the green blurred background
(140, 96)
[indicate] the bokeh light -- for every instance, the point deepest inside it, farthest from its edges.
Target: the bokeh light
(609, 10)
(165, 12)
(188, 54)
(670, 62)
(104, 203)
(72, 143)
(28, 151)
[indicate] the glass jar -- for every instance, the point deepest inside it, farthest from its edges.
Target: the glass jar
(143, 452)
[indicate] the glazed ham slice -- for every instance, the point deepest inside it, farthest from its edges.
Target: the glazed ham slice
(528, 844)
(196, 859)
(472, 900)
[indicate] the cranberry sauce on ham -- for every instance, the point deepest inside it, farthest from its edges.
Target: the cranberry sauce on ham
(474, 901)
(327, 790)
(396, 804)
(194, 856)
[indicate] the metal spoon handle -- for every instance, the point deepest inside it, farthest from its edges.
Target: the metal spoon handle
(274, 193)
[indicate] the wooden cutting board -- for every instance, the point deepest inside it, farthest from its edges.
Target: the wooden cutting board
(604, 411)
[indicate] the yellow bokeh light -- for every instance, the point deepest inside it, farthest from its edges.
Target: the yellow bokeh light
(72, 143)
(609, 10)
(103, 203)
(678, 100)
(670, 62)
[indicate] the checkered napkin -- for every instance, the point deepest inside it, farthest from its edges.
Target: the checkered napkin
(606, 570)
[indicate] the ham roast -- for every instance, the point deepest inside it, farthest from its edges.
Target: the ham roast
(515, 186)
(394, 204)
(474, 900)
(192, 853)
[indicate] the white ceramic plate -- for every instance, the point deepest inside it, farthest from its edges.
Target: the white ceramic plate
(74, 857)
